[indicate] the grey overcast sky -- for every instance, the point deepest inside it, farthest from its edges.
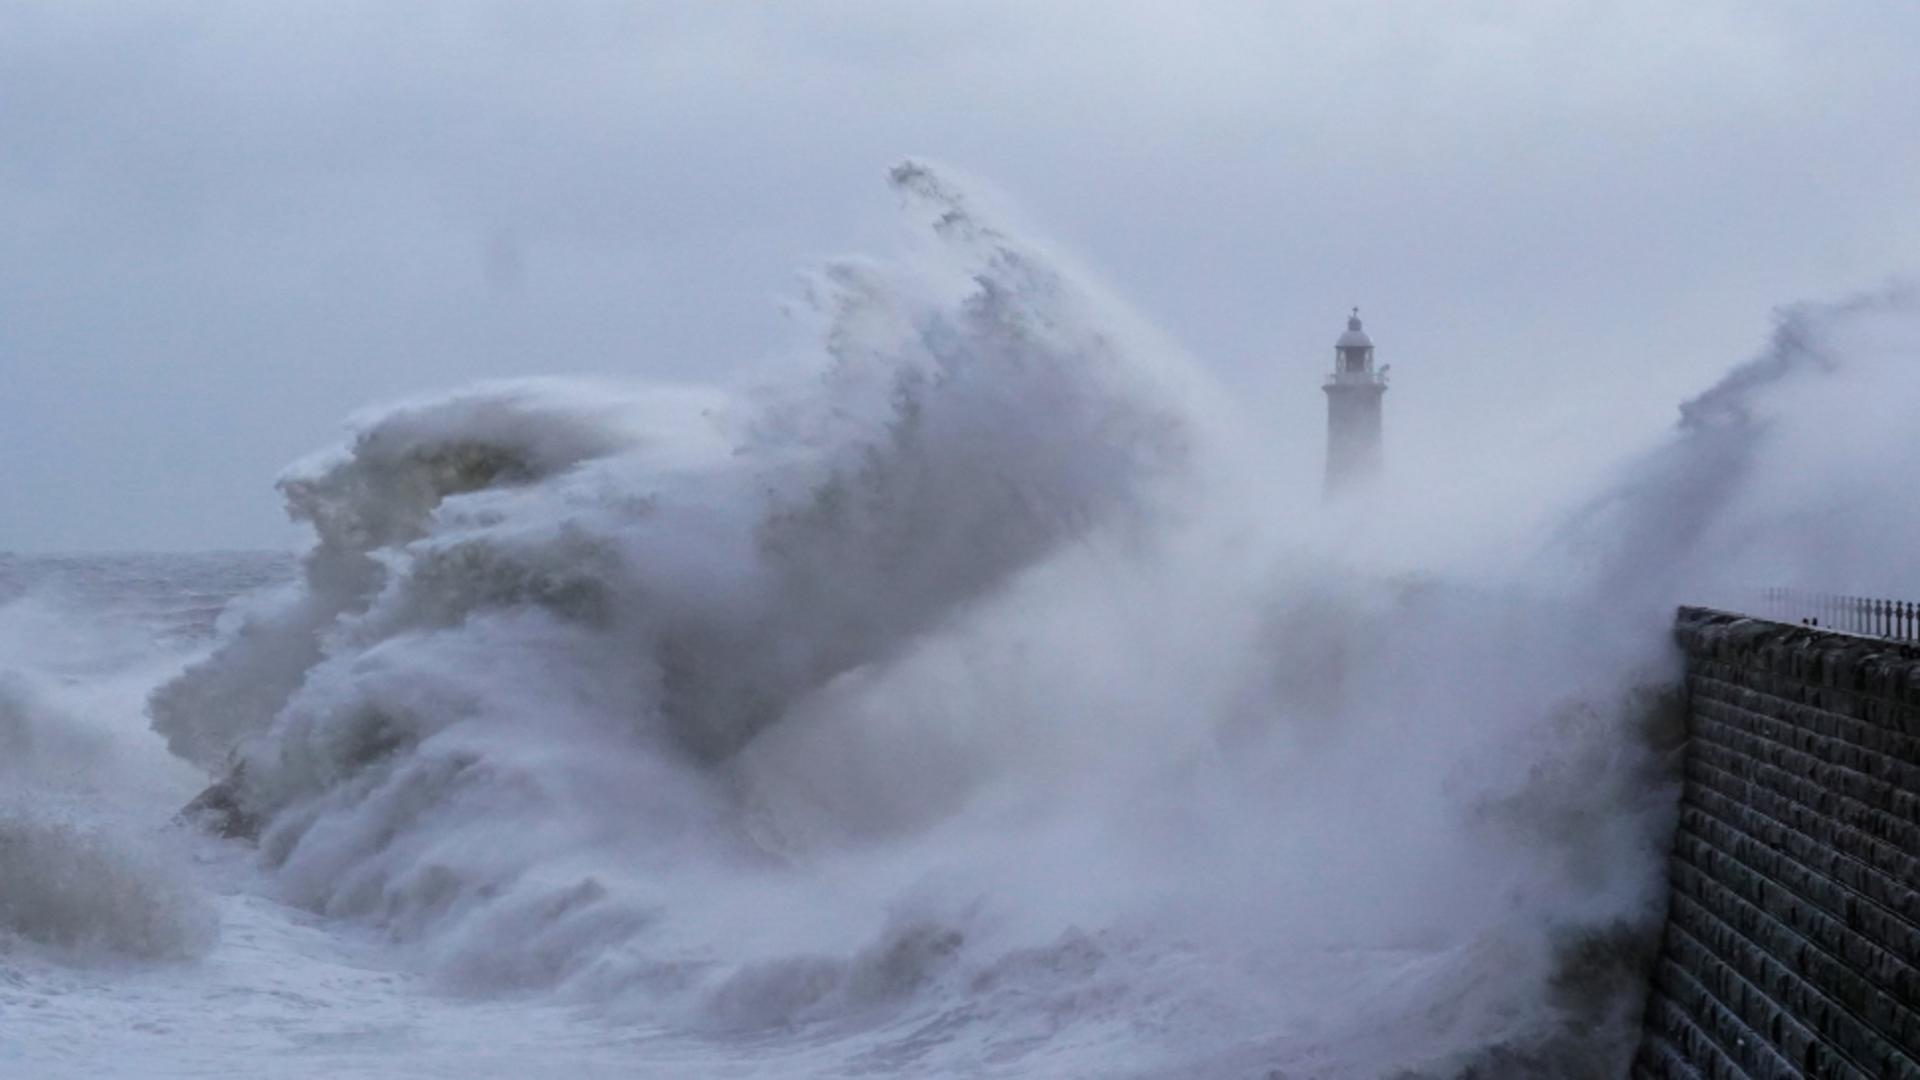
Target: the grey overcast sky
(226, 224)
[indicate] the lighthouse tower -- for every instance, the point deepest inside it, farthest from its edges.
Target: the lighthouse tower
(1353, 391)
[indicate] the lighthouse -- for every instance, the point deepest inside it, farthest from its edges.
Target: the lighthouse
(1353, 391)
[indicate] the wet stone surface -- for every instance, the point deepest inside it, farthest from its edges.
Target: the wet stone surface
(1792, 946)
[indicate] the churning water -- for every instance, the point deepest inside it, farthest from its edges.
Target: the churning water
(957, 705)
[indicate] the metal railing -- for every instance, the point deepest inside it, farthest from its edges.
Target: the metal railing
(1896, 620)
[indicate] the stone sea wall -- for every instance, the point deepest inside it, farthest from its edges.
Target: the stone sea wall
(1792, 945)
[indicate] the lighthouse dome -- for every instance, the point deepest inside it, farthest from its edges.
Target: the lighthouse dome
(1354, 338)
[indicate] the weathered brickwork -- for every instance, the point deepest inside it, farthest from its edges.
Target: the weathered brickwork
(1792, 946)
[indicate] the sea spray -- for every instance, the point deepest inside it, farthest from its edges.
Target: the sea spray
(963, 704)
(91, 895)
(90, 872)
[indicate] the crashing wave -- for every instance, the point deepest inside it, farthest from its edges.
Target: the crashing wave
(555, 610)
(70, 880)
(87, 894)
(948, 697)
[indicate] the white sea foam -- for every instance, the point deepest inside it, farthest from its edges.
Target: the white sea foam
(963, 705)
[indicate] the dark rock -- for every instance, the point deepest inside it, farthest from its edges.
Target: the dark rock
(222, 809)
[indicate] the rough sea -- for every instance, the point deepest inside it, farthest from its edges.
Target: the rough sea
(958, 703)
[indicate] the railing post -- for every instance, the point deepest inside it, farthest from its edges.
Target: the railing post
(1866, 616)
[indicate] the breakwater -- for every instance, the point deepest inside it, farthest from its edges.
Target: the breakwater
(1792, 942)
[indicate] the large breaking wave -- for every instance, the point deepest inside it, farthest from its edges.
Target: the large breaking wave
(962, 704)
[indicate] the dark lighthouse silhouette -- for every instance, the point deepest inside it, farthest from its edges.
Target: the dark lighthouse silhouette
(1353, 391)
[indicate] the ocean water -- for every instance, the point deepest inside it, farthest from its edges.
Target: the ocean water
(957, 701)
